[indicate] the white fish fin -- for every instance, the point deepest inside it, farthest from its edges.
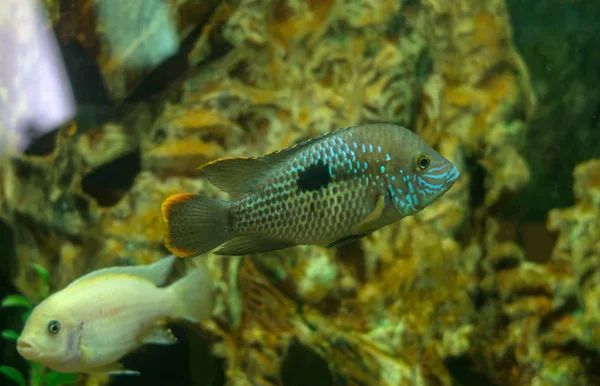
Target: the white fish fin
(251, 244)
(159, 335)
(113, 369)
(156, 272)
(239, 175)
(193, 295)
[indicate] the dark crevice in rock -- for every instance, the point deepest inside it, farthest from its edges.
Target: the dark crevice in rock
(464, 372)
(478, 298)
(549, 320)
(109, 183)
(41, 145)
(84, 75)
(506, 263)
(529, 292)
(304, 367)
(159, 364)
(353, 254)
(477, 185)
(172, 68)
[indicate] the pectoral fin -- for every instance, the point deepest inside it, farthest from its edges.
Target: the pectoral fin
(159, 335)
(369, 222)
(367, 226)
(113, 369)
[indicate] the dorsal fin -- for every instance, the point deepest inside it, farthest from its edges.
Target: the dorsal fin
(156, 272)
(239, 175)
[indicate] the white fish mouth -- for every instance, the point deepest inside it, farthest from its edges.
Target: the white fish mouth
(26, 350)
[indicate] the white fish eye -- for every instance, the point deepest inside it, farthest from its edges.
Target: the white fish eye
(423, 161)
(54, 327)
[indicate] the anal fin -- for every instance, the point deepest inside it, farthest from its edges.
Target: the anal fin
(251, 244)
(347, 240)
(114, 369)
(159, 335)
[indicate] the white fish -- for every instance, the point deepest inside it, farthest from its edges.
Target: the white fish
(37, 97)
(96, 320)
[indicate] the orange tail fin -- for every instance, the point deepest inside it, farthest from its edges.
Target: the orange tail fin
(194, 224)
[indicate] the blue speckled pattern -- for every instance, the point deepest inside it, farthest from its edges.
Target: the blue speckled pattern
(329, 185)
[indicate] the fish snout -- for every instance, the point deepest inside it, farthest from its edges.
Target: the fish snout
(25, 348)
(452, 176)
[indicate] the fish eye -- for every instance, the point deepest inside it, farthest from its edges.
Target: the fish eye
(423, 161)
(54, 327)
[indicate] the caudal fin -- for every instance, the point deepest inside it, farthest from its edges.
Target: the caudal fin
(193, 296)
(194, 224)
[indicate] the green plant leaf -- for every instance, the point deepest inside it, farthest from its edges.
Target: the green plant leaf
(13, 374)
(35, 373)
(10, 335)
(44, 276)
(16, 301)
(54, 378)
(25, 315)
(42, 272)
(44, 291)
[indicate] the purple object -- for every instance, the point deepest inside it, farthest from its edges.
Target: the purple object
(35, 93)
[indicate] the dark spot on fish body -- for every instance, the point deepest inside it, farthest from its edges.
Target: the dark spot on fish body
(314, 177)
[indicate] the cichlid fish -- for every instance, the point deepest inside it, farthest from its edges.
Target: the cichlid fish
(92, 323)
(328, 190)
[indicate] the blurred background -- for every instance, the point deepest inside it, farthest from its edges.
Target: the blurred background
(108, 107)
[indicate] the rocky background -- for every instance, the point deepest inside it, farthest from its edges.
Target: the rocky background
(489, 286)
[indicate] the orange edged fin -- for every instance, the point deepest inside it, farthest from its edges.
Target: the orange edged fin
(194, 224)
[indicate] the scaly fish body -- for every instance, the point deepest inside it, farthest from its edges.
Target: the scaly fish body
(109, 313)
(328, 190)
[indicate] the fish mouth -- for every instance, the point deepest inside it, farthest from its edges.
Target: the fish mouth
(26, 350)
(452, 175)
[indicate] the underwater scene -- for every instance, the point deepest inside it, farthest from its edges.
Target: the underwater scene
(299, 192)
